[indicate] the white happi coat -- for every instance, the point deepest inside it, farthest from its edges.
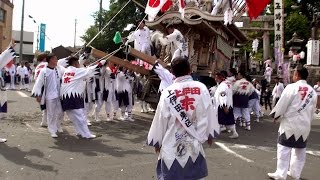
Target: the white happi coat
(165, 76)
(5, 57)
(73, 86)
(180, 45)
(38, 69)
(182, 102)
(223, 95)
(47, 84)
(110, 85)
(277, 90)
(142, 40)
(296, 109)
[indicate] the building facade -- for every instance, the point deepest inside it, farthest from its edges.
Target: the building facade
(6, 12)
(28, 40)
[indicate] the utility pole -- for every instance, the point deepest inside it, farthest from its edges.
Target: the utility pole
(21, 34)
(75, 33)
(100, 16)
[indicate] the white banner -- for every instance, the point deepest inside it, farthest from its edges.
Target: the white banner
(278, 30)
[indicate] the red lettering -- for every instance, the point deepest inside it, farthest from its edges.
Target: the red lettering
(187, 103)
(303, 92)
(66, 80)
(195, 90)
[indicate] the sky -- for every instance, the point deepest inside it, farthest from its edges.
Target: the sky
(59, 17)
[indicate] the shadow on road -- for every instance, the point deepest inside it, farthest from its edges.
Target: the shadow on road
(135, 132)
(19, 157)
(67, 142)
(265, 133)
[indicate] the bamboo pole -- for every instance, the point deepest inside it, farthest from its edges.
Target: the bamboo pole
(124, 63)
(149, 59)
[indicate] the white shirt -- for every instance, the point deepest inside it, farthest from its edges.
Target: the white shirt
(268, 71)
(178, 41)
(53, 84)
(141, 38)
(277, 90)
(317, 89)
(40, 66)
(165, 76)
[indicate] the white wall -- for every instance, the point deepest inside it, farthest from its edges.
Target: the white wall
(27, 37)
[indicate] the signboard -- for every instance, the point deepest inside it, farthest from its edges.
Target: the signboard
(278, 31)
(313, 52)
(42, 37)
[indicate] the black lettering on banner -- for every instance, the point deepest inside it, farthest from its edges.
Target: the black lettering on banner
(170, 93)
(277, 6)
(178, 107)
(278, 27)
(173, 100)
(278, 16)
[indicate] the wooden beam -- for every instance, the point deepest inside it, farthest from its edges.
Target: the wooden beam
(138, 4)
(149, 59)
(256, 28)
(124, 63)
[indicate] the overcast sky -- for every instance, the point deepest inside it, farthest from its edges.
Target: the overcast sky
(59, 17)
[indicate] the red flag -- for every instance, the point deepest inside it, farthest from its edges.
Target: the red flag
(153, 7)
(255, 7)
(166, 6)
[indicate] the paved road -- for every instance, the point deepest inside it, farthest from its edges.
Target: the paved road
(120, 153)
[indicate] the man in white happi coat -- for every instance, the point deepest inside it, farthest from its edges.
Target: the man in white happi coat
(72, 94)
(47, 92)
(224, 104)
(295, 111)
(21, 71)
(180, 45)
(12, 72)
(109, 91)
(42, 64)
(5, 57)
(317, 89)
(124, 94)
(268, 73)
(184, 120)
(142, 41)
(242, 89)
(98, 90)
(277, 90)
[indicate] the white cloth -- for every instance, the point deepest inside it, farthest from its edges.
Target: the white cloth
(291, 159)
(242, 113)
(223, 94)
(54, 114)
(73, 82)
(40, 66)
(277, 90)
(180, 45)
(79, 121)
(167, 133)
(296, 108)
(141, 38)
(165, 76)
(142, 41)
(110, 85)
(254, 105)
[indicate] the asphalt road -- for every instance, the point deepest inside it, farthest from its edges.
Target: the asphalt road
(120, 153)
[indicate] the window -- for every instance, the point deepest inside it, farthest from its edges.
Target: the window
(2, 15)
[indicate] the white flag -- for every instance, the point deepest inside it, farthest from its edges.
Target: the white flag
(153, 7)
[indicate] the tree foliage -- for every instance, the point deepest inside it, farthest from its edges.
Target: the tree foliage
(129, 15)
(298, 23)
